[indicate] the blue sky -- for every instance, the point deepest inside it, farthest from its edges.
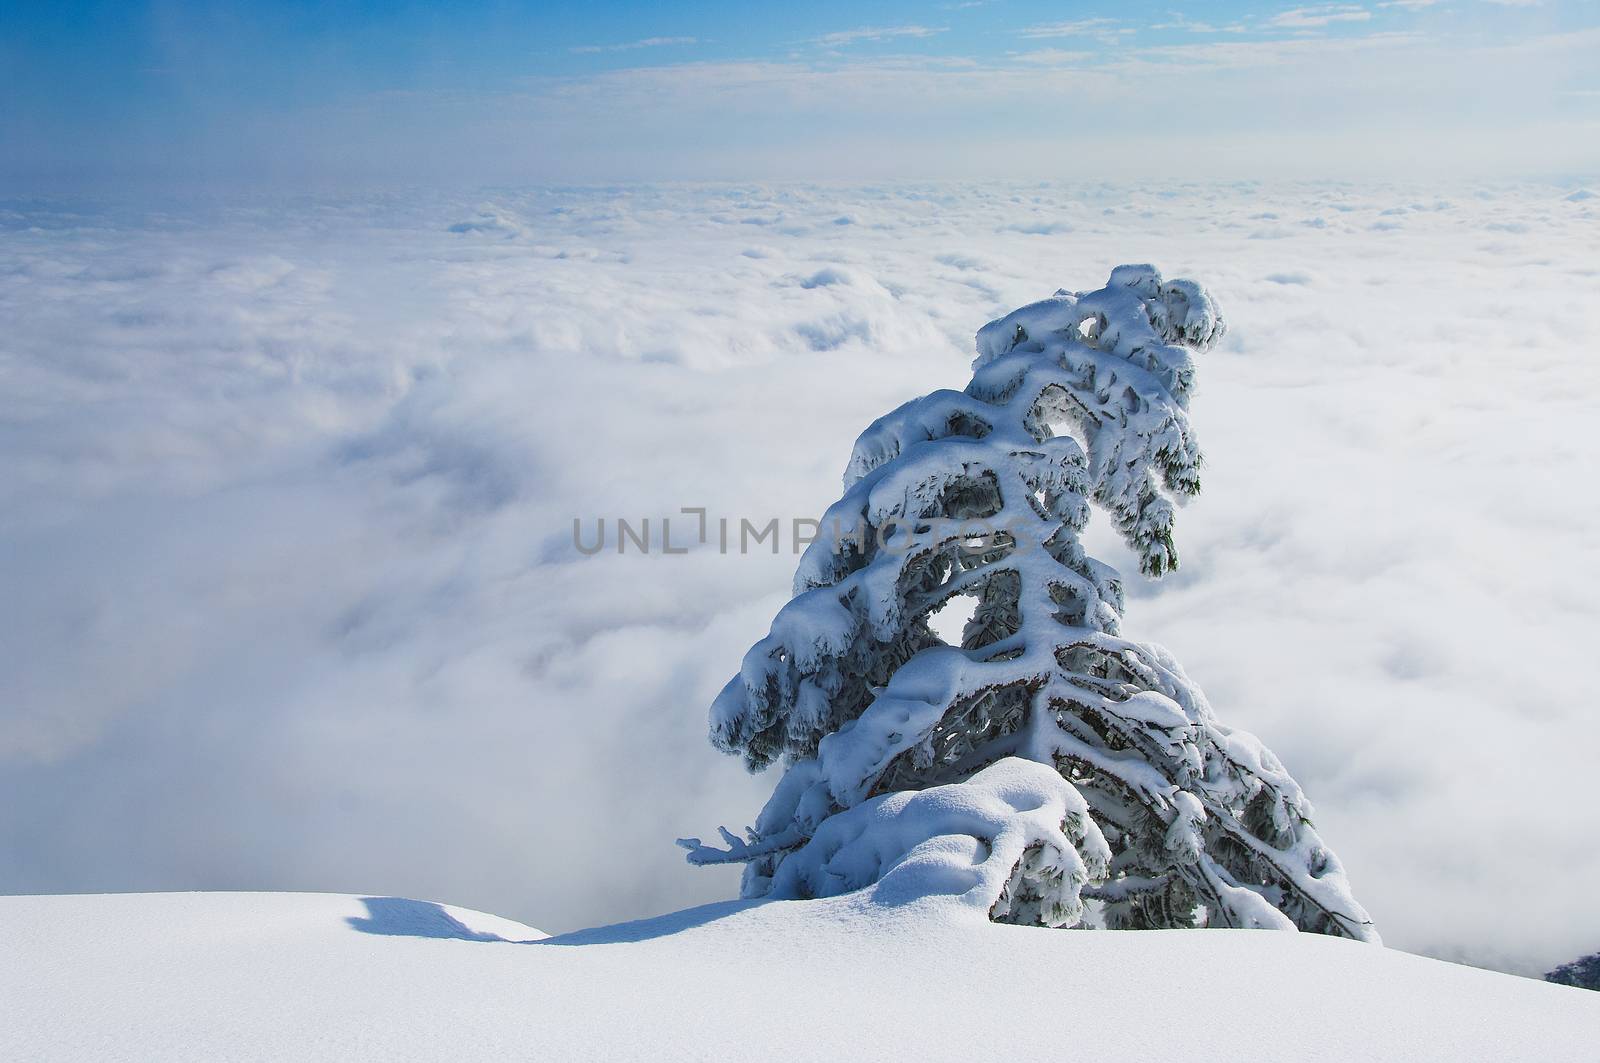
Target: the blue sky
(600, 91)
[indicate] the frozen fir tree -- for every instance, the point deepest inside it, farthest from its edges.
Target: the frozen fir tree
(1071, 776)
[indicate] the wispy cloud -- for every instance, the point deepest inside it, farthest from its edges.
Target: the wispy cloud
(648, 42)
(1178, 21)
(1083, 27)
(874, 33)
(1052, 57)
(1304, 18)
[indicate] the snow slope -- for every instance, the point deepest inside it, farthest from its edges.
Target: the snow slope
(244, 976)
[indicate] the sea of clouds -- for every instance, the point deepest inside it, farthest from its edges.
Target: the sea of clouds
(287, 490)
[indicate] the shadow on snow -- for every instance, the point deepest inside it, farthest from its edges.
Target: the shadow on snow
(400, 917)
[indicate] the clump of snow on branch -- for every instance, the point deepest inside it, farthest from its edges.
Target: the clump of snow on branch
(1076, 402)
(1014, 842)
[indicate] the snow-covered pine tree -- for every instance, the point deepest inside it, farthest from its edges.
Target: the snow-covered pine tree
(1583, 973)
(1160, 815)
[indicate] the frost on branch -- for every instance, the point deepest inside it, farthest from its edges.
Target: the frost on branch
(1078, 401)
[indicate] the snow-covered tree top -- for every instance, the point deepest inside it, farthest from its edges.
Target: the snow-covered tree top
(1113, 363)
(1087, 393)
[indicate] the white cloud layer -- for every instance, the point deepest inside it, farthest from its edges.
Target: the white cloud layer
(287, 489)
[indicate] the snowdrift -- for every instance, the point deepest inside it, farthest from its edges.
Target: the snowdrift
(321, 977)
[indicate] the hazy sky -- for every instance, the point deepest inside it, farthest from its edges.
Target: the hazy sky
(191, 92)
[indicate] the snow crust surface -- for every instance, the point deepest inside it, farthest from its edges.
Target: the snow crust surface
(307, 977)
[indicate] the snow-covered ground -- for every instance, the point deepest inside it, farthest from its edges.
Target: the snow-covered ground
(304, 977)
(287, 483)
